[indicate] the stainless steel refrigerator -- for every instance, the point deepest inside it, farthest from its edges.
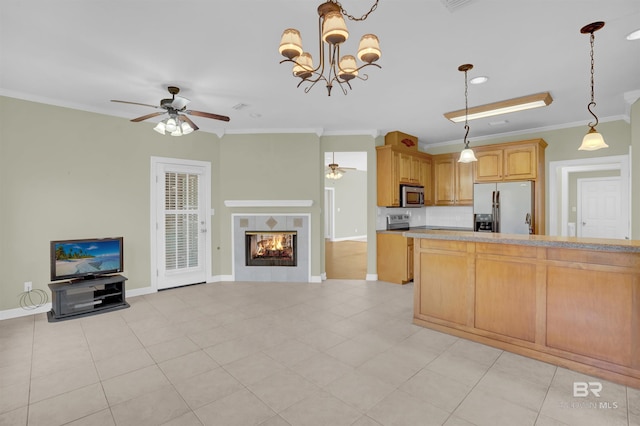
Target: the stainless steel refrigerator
(505, 207)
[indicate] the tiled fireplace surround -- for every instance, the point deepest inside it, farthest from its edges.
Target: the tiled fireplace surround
(272, 223)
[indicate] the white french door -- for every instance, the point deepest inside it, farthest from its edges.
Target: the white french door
(181, 222)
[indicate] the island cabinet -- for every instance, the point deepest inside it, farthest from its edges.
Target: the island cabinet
(396, 166)
(395, 258)
(566, 301)
(452, 181)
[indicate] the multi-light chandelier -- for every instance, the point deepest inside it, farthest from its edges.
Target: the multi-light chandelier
(592, 140)
(332, 32)
(467, 155)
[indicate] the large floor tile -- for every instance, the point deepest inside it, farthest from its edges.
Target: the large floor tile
(207, 387)
(153, 408)
(320, 409)
(239, 409)
(283, 389)
(360, 390)
(402, 409)
(68, 407)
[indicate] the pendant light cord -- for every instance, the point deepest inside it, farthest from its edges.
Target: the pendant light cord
(466, 109)
(363, 17)
(592, 103)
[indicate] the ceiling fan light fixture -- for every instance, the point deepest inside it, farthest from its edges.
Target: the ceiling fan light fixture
(170, 125)
(160, 128)
(186, 128)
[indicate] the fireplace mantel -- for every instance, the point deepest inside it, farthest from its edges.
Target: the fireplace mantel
(268, 203)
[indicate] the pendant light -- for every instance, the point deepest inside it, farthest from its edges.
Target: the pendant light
(467, 155)
(592, 140)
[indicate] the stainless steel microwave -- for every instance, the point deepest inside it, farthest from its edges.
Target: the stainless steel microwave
(411, 196)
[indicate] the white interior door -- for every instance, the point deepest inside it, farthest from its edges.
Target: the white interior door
(600, 213)
(181, 224)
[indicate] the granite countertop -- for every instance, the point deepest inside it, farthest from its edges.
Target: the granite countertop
(602, 244)
(423, 228)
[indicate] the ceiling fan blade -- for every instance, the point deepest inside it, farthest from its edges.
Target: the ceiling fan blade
(191, 123)
(134, 103)
(207, 115)
(179, 102)
(144, 117)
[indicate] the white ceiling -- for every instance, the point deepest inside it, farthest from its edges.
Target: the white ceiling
(221, 53)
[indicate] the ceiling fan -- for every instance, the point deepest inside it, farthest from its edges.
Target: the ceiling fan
(334, 171)
(176, 107)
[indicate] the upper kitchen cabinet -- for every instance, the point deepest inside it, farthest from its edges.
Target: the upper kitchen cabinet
(452, 181)
(400, 162)
(522, 160)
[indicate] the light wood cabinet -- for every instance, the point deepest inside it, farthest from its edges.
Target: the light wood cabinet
(396, 166)
(395, 258)
(452, 181)
(574, 307)
(522, 160)
(516, 161)
(426, 179)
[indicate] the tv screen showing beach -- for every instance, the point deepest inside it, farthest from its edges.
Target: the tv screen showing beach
(79, 258)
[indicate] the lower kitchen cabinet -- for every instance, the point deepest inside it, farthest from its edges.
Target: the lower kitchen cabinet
(395, 258)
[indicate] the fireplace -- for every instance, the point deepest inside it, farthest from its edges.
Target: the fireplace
(285, 266)
(271, 248)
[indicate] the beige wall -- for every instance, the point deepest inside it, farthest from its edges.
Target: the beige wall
(71, 174)
(65, 173)
(635, 169)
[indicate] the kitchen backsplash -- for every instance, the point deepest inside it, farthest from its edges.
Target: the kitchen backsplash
(451, 216)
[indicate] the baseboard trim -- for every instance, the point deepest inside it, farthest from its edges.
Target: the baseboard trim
(371, 277)
(19, 312)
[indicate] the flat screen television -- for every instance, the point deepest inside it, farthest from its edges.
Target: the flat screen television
(86, 258)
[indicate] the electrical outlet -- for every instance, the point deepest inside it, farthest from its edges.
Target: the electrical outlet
(28, 286)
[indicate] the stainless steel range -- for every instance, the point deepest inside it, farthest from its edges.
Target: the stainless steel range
(398, 222)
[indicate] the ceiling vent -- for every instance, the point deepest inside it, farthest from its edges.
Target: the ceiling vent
(453, 5)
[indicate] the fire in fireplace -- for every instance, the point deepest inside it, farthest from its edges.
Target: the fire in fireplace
(269, 248)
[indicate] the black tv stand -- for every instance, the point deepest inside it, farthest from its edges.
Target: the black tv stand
(78, 298)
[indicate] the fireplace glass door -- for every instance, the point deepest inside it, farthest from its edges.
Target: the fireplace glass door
(270, 248)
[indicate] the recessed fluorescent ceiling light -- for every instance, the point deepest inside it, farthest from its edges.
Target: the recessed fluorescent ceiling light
(479, 80)
(635, 35)
(501, 107)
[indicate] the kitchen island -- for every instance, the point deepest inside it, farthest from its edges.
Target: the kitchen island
(568, 301)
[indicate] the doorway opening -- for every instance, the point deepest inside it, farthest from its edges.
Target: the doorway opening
(563, 176)
(345, 208)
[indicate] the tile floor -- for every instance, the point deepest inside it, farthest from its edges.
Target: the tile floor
(275, 354)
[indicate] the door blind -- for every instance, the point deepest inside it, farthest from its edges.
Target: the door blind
(181, 220)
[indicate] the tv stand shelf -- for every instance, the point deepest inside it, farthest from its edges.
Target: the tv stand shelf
(77, 298)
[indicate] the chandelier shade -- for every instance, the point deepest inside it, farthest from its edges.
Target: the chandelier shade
(332, 67)
(369, 48)
(334, 29)
(291, 43)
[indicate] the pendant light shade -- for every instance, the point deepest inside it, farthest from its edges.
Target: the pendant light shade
(592, 141)
(467, 156)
